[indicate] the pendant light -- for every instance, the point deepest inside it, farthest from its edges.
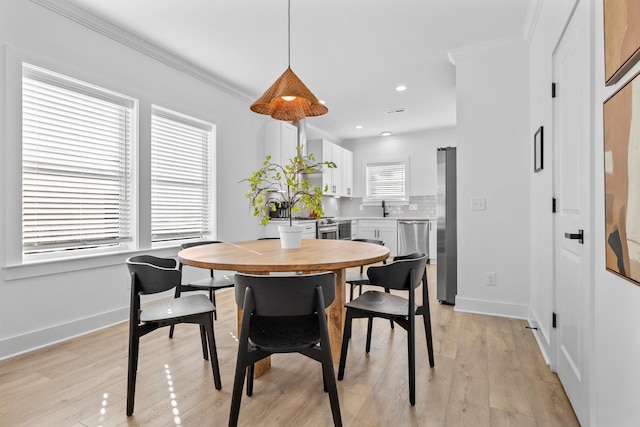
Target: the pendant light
(288, 98)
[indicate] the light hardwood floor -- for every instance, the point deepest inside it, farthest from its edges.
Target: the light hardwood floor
(488, 372)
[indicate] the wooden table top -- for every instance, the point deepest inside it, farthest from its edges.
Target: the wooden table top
(267, 256)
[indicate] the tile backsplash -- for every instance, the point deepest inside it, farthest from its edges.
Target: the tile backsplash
(427, 207)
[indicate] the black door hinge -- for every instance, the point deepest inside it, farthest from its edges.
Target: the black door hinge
(553, 90)
(553, 205)
(554, 320)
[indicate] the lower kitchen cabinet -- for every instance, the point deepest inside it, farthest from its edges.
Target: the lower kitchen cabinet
(385, 230)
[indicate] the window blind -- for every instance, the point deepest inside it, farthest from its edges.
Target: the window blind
(76, 173)
(180, 188)
(386, 181)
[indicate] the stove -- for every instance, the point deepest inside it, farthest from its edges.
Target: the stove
(327, 228)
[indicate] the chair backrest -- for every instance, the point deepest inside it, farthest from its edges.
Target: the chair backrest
(285, 295)
(198, 243)
(151, 274)
(377, 242)
(397, 275)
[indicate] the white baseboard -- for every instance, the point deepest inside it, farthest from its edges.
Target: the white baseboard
(492, 308)
(542, 340)
(20, 344)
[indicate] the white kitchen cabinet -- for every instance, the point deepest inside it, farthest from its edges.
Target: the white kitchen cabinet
(280, 141)
(385, 230)
(433, 240)
(347, 173)
(338, 181)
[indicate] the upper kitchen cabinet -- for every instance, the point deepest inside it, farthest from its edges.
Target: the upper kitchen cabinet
(280, 141)
(338, 181)
(347, 172)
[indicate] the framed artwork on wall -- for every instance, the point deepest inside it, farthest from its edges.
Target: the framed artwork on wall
(621, 37)
(622, 181)
(538, 150)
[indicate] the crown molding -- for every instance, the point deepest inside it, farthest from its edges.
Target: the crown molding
(121, 36)
(485, 48)
(531, 19)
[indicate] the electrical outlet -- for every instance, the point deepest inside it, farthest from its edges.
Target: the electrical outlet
(478, 204)
(491, 278)
(361, 207)
(413, 207)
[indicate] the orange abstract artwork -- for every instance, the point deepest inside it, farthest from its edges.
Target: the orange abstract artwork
(622, 181)
(621, 37)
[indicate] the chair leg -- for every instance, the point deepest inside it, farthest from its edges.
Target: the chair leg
(346, 336)
(238, 384)
(369, 330)
(203, 338)
(213, 352)
(329, 380)
(351, 292)
(250, 374)
(390, 320)
(212, 297)
(134, 345)
(426, 318)
(411, 350)
(172, 327)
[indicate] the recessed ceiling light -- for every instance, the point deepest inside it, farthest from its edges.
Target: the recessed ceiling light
(385, 133)
(401, 88)
(359, 127)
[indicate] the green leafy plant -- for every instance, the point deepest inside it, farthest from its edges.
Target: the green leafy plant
(291, 183)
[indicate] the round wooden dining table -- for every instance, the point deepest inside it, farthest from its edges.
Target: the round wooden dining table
(314, 255)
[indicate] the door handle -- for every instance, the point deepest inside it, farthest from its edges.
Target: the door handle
(579, 236)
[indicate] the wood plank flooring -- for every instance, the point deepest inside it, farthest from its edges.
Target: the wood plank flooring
(488, 372)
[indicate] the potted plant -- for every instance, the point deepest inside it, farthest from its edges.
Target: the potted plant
(289, 187)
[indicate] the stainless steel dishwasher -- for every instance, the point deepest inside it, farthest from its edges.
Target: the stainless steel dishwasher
(413, 236)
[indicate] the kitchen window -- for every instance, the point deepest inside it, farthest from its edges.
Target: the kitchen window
(181, 148)
(76, 166)
(387, 181)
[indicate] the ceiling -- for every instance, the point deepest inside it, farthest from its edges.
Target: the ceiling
(350, 53)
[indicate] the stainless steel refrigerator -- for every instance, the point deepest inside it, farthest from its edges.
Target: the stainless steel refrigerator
(447, 266)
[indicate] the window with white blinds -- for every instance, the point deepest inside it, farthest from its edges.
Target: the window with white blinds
(180, 176)
(386, 181)
(76, 164)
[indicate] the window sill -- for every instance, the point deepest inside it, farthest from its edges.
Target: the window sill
(44, 268)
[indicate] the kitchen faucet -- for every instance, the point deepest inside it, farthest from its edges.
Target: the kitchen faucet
(384, 210)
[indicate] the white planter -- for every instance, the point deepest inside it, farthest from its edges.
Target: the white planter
(290, 236)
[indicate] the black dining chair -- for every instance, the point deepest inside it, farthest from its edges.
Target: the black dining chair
(404, 274)
(217, 280)
(152, 275)
(355, 278)
(283, 314)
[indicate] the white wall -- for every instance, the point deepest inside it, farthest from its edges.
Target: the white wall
(46, 303)
(493, 162)
(617, 301)
(615, 387)
(419, 147)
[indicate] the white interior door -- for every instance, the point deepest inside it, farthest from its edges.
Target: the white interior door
(572, 160)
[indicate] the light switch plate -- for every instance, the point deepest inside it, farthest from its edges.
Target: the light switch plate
(478, 204)
(413, 207)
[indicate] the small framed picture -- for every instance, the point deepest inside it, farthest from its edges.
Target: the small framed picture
(538, 150)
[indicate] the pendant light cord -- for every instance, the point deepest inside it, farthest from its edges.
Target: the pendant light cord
(289, 34)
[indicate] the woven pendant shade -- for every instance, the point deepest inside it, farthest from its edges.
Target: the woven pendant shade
(288, 84)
